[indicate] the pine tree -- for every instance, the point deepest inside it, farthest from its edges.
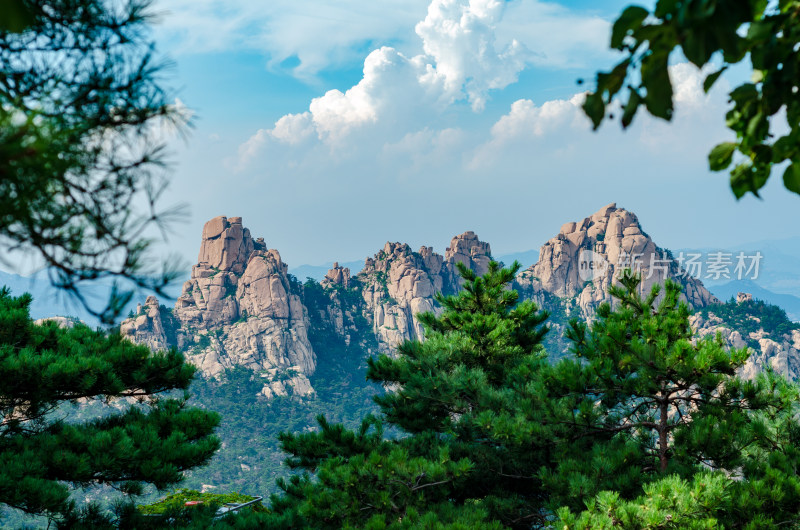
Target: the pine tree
(82, 107)
(646, 427)
(43, 454)
(431, 459)
(665, 426)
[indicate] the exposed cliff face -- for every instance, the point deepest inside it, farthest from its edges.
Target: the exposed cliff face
(585, 258)
(240, 307)
(237, 309)
(768, 350)
(398, 284)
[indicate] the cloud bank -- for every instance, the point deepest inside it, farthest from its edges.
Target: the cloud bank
(462, 62)
(430, 143)
(315, 34)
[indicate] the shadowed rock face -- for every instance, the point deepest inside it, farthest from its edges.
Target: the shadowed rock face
(614, 238)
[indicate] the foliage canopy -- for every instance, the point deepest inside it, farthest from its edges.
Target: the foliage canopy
(707, 31)
(81, 149)
(44, 368)
(645, 427)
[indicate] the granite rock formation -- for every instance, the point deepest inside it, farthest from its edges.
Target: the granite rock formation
(146, 326)
(237, 309)
(781, 353)
(397, 284)
(240, 307)
(585, 258)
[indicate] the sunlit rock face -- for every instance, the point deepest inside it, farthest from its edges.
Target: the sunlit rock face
(611, 239)
(240, 307)
(781, 353)
(146, 326)
(237, 309)
(398, 284)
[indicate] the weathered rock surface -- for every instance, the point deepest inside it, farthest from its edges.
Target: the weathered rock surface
(146, 326)
(237, 309)
(781, 353)
(337, 276)
(470, 251)
(62, 322)
(581, 262)
(398, 284)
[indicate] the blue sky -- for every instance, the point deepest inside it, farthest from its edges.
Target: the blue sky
(332, 127)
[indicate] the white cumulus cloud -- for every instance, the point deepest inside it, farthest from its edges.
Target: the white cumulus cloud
(461, 39)
(462, 60)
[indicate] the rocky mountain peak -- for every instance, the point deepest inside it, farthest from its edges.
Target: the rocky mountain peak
(398, 284)
(469, 250)
(237, 309)
(337, 276)
(147, 326)
(226, 246)
(583, 260)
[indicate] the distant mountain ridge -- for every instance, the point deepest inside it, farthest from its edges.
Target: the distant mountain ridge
(49, 301)
(241, 307)
(788, 302)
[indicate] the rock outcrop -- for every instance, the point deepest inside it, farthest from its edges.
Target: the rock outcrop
(337, 276)
(781, 353)
(585, 258)
(62, 322)
(240, 307)
(470, 251)
(398, 284)
(147, 326)
(743, 297)
(237, 309)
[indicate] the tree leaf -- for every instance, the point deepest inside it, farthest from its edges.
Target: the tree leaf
(15, 16)
(617, 77)
(630, 108)
(720, 157)
(655, 78)
(595, 108)
(712, 78)
(663, 7)
(791, 177)
(632, 17)
(741, 181)
(760, 30)
(696, 48)
(757, 126)
(744, 92)
(783, 148)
